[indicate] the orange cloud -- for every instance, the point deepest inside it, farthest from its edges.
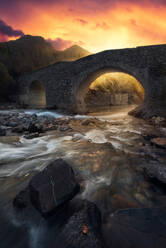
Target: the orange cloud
(99, 25)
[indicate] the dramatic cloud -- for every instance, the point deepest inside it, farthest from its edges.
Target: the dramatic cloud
(83, 22)
(7, 31)
(61, 44)
(10, 5)
(100, 24)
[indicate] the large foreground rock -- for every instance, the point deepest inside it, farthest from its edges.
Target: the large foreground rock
(137, 228)
(83, 227)
(53, 186)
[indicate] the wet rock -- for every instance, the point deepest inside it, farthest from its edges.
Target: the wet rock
(53, 186)
(31, 136)
(35, 128)
(136, 228)
(19, 129)
(83, 227)
(150, 134)
(65, 128)
(2, 132)
(50, 127)
(159, 142)
(156, 171)
(12, 124)
(158, 120)
(87, 122)
(77, 137)
(22, 200)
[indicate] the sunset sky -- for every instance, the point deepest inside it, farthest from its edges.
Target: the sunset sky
(95, 25)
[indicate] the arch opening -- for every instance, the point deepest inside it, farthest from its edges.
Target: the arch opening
(103, 90)
(37, 95)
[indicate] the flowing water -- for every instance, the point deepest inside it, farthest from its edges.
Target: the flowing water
(108, 162)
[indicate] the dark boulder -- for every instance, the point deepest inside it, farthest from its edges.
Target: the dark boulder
(35, 128)
(19, 129)
(31, 135)
(22, 199)
(83, 227)
(53, 186)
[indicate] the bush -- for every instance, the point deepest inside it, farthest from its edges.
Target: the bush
(7, 84)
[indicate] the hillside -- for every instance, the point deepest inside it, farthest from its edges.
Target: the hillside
(33, 52)
(72, 53)
(27, 54)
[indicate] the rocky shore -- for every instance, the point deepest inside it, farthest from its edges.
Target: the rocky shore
(32, 126)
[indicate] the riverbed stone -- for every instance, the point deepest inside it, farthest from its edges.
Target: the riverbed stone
(159, 142)
(156, 171)
(83, 227)
(19, 129)
(53, 186)
(22, 199)
(137, 228)
(31, 135)
(35, 127)
(2, 132)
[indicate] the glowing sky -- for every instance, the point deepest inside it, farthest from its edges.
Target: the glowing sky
(94, 24)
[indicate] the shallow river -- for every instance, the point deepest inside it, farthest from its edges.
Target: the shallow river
(108, 163)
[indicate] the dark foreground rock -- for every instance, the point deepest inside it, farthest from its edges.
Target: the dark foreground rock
(22, 199)
(83, 227)
(137, 228)
(76, 224)
(53, 186)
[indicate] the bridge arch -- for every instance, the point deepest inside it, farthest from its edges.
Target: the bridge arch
(37, 94)
(65, 81)
(85, 82)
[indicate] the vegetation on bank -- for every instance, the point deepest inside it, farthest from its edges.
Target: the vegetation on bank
(7, 84)
(115, 83)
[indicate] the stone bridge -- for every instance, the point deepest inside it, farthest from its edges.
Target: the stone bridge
(65, 83)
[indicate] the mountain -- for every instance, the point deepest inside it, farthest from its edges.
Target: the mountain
(26, 54)
(73, 53)
(29, 53)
